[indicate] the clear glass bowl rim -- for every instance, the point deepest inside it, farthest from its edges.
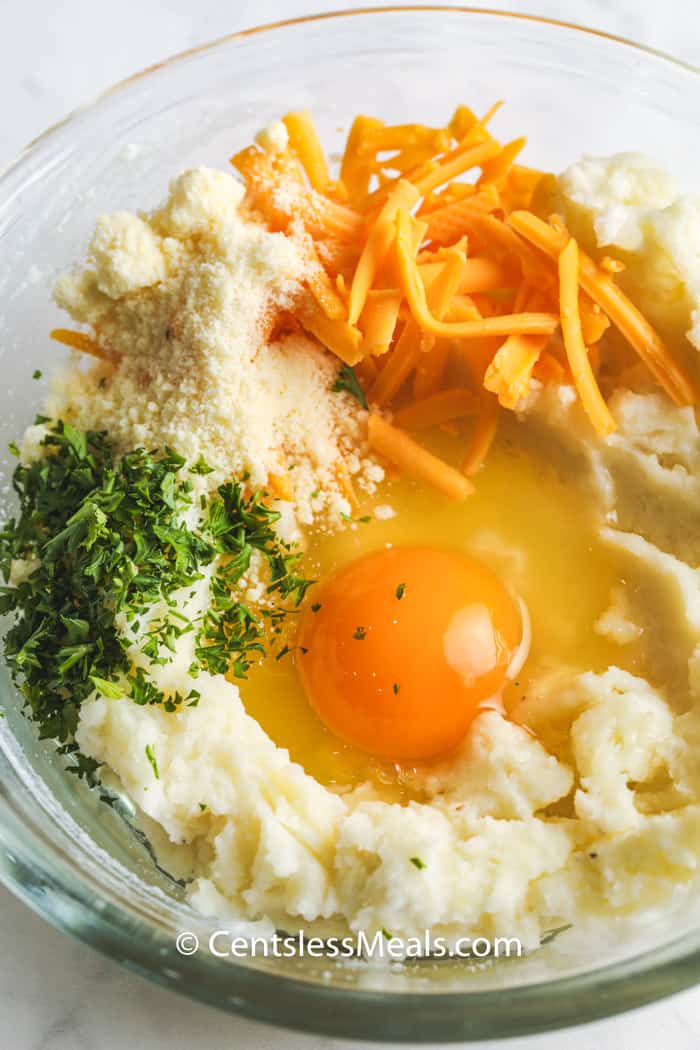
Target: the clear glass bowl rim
(74, 904)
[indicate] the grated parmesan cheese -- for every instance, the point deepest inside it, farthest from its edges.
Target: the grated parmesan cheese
(188, 296)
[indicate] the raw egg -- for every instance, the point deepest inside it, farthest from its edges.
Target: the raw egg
(401, 647)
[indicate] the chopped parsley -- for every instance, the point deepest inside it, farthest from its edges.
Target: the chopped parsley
(396, 687)
(287, 649)
(37, 373)
(201, 467)
(364, 520)
(151, 756)
(347, 380)
(400, 591)
(418, 863)
(110, 690)
(360, 634)
(110, 537)
(202, 806)
(315, 607)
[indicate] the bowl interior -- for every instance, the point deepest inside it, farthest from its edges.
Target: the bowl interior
(89, 867)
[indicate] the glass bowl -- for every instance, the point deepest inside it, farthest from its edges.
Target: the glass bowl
(88, 868)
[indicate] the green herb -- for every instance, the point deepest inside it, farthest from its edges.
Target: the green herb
(151, 756)
(360, 634)
(400, 591)
(364, 520)
(201, 467)
(418, 863)
(287, 649)
(110, 538)
(109, 689)
(14, 449)
(202, 806)
(387, 934)
(315, 607)
(36, 374)
(162, 636)
(396, 688)
(347, 380)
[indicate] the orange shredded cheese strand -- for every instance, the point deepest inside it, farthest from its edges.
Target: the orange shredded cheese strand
(86, 344)
(508, 375)
(357, 166)
(465, 122)
(502, 242)
(430, 368)
(454, 164)
(414, 156)
(483, 435)
(577, 355)
(594, 323)
(497, 170)
(440, 288)
(339, 337)
(463, 308)
(506, 324)
(623, 314)
(377, 246)
(403, 136)
(434, 173)
(431, 365)
(520, 186)
(410, 457)
(411, 345)
(366, 371)
(304, 140)
(548, 369)
(326, 295)
(401, 362)
(378, 320)
(483, 275)
(441, 407)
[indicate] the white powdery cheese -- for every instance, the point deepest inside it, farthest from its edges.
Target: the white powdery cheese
(188, 296)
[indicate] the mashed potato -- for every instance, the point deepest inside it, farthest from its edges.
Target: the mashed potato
(628, 204)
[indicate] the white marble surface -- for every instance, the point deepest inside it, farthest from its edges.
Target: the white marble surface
(55, 994)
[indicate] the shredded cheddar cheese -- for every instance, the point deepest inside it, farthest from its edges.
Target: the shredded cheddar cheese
(427, 250)
(576, 352)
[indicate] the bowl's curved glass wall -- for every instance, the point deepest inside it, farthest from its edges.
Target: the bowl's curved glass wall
(86, 866)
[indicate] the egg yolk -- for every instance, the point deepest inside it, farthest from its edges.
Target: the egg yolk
(400, 648)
